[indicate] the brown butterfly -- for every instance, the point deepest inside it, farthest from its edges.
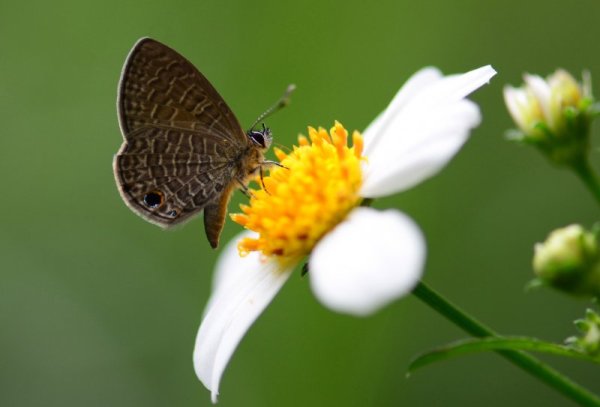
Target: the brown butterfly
(184, 151)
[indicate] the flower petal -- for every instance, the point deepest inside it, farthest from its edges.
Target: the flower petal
(515, 99)
(413, 85)
(242, 291)
(229, 269)
(541, 89)
(417, 139)
(367, 261)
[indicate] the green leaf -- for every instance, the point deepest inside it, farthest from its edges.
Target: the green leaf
(474, 345)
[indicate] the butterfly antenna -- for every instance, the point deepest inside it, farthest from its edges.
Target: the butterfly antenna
(283, 101)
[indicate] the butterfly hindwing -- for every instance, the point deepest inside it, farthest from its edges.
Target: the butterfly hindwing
(168, 187)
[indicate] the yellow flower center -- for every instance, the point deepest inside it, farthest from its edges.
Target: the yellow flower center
(314, 191)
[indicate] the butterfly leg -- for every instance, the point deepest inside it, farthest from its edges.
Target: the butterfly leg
(270, 163)
(262, 181)
(244, 188)
(267, 164)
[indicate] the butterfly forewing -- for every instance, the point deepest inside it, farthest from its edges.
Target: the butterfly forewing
(159, 86)
(182, 142)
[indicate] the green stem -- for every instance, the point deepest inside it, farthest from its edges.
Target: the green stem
(526, 362)
(584, 171)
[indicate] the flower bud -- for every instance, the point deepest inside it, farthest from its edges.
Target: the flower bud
(569, 261)
(589, 341)
(554, 114)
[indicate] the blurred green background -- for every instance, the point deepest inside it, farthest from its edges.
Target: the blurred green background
(99, 308)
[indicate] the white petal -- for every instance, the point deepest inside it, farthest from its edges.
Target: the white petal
(367, 261)
(515, 99)
(229, 269)
(242, 292)
(413, 85)
(400, 167)
(419, 138)
(540, 88)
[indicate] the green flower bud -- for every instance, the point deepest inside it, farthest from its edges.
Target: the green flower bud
(569, 260)
(589, 341)
(553, 114)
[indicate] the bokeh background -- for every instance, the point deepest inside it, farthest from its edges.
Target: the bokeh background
(99, 308)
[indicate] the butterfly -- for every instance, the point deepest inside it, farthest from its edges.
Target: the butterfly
(184, 150)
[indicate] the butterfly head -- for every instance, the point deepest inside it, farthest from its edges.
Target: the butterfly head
(261, 138)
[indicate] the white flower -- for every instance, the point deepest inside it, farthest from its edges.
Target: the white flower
(360, 259)
(554, 115)
(543, 102)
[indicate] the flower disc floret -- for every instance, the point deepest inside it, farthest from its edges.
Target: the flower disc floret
(316, 186)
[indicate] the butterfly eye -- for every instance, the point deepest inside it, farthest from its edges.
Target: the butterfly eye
(257, 137)
(154, 199)
(261, 138)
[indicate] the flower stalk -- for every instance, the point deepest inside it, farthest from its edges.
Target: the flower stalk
(555, 116)
(528, 363)
(585, 173)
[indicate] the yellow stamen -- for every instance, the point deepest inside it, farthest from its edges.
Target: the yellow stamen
(303, 201)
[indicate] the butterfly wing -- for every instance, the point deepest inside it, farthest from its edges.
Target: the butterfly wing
(166, 181)
(160, 86)
(181, 140)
